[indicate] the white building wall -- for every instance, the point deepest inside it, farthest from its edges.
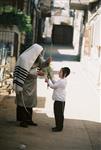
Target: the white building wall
(92, 62)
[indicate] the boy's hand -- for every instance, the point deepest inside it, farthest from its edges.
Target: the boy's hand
(46, 79)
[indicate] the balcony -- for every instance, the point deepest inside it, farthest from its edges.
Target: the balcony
(79, 4)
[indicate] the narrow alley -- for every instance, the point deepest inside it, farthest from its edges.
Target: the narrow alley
(82, 127)
(69, 31)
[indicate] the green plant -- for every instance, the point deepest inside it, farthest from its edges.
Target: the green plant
(18, 18)
(48, 71)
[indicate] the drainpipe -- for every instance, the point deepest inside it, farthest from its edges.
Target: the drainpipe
(36, 13)
(80, 40)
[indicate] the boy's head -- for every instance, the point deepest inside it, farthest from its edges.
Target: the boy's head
(65, 72)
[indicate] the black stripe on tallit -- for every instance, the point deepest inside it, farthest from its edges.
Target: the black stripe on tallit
(21, 69)
(18, 83)
(19, 73)
(20, 77)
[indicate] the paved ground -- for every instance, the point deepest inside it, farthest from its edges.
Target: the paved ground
(77, 134)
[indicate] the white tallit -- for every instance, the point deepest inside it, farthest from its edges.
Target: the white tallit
(24, 64)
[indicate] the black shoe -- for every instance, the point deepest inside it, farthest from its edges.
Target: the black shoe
(32, 123)
(23, 124)
(55, 129)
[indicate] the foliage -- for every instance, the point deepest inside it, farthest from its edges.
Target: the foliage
(18, 18)
(48, 71)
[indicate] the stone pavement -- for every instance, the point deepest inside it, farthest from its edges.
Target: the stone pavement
(77, 134)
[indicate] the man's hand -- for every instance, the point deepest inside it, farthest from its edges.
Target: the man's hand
(40, 73)
(49, 60)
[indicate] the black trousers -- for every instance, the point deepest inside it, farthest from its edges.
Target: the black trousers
(22, 114)
(59, 114)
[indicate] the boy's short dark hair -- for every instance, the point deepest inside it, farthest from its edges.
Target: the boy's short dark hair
(66, 71)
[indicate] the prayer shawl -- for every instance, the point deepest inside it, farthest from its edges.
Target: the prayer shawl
(24, 64)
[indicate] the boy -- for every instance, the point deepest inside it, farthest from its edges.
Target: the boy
(59, 96)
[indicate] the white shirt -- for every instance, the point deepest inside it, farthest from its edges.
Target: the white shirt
(59, 93)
